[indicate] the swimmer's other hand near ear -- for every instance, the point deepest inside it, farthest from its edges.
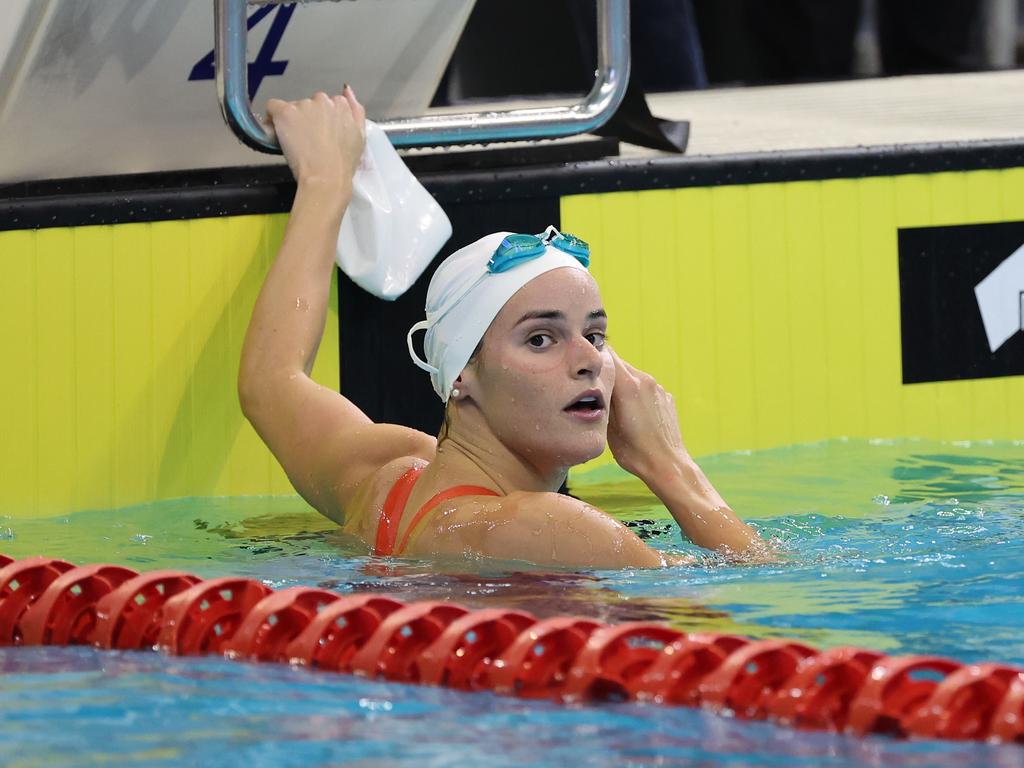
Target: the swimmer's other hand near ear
(644, 436)
(643, 426)
(322, 137)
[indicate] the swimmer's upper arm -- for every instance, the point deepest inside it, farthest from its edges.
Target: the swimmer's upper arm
(542, 528)
(325, 443)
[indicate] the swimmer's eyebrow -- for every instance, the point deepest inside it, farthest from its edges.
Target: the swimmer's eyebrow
(554, 314)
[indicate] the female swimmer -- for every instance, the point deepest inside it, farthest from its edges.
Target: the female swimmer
(515, 346)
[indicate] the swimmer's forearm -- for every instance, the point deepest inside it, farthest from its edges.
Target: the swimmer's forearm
(700, 510)
(291, 311)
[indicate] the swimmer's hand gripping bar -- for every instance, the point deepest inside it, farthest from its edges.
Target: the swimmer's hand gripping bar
(465, 128)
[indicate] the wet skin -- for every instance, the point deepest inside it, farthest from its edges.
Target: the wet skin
(513, 428)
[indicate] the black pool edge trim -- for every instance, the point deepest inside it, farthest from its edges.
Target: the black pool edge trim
(235, 191)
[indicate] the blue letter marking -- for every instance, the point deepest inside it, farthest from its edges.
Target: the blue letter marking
(265, 65)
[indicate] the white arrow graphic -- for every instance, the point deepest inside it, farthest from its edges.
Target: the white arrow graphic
(1001, 300)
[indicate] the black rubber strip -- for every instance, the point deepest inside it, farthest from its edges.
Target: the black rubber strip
(269, 189)
(146, 197)
(714, 170)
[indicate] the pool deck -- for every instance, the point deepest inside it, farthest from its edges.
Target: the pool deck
(920, 109)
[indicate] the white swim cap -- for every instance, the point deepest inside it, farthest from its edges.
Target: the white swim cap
(466, 293)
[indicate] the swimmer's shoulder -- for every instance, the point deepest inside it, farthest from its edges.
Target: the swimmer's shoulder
(362, 512)
(539, 527)
(338, 469)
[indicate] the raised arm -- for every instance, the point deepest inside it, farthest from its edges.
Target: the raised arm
(643, 433)
(326, 445)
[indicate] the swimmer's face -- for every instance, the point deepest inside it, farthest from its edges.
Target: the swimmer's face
(543, 379)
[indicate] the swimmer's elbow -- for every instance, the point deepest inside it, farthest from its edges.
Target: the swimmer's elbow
(255, 396)
(248, 398)
(250, 395)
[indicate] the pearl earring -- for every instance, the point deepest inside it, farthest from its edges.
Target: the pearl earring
(455, 393)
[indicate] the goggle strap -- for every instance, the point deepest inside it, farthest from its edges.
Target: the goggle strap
(548, 234)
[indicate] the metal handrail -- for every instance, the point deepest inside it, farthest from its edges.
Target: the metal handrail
(431, 130)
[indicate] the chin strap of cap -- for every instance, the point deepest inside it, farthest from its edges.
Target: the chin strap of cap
(423, 365)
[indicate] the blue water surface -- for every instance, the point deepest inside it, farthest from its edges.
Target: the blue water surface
(903, 547)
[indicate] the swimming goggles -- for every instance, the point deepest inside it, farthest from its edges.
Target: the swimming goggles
(517, 249)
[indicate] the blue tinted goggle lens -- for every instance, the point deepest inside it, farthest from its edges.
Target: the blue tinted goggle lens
(573, 246)
(514, 250)
(518, 248)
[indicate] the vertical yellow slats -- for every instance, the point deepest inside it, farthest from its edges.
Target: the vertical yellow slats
(913, 209)
(622, 273)
(56, 380)
(694, 283)
(172, 354)
(579, 215)
(733, 321)
(208, 245)
(133, 370)
(1011, 194)
(94, 372)
(19, 467)
(949, 206)
(984, 196)
(953, 399)
(880, 311)
(948, 193)
(129, 346)
(770, 309)
(656, 261)
(807, 250)
(843, 308)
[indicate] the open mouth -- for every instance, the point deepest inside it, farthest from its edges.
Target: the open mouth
(587, 402)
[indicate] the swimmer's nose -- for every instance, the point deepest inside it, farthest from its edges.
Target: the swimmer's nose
(586, 360)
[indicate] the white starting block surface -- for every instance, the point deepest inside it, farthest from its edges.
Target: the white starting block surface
(98, 87)
(102, 87)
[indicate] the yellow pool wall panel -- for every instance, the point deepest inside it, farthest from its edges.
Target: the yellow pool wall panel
(772, 311)
(121, 348)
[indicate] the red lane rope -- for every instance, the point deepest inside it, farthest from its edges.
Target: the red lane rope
(567, 658)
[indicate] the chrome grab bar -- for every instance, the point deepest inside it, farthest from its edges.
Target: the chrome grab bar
(230, 30)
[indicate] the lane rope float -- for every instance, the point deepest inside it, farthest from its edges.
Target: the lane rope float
(47, 601)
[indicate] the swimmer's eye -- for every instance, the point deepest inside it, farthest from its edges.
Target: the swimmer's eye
(597, 338)
(540, 341)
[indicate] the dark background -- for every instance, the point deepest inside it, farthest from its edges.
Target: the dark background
(943, 336)
(376, 371)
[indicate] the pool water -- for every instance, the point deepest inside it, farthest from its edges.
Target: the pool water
(899, 546)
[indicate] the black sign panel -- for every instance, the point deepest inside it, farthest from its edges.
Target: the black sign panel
(943, 333)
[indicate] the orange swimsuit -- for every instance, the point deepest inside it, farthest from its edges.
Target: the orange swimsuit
(394, 508)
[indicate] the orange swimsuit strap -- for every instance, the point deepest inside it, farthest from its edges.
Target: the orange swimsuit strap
(394, 508)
